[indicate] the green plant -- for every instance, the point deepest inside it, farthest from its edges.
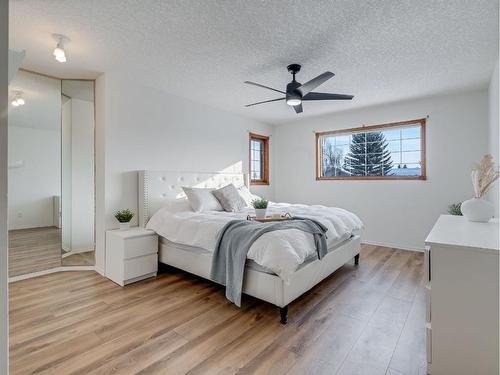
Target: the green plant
(124, 216)
(454, 209)
(259, 203)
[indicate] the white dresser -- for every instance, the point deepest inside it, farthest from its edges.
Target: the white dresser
(131, 255)
(461, 264)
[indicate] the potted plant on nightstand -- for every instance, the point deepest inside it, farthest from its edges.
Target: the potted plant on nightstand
(260, 206)
(124, 217)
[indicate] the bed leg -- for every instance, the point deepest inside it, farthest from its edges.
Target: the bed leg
(356, 259)
(284, 314)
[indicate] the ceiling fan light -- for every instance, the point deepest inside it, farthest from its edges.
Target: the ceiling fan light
(293, 101)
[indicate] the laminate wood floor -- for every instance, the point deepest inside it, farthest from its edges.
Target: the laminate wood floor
(33, 250)
(362, 320)
(79, 259)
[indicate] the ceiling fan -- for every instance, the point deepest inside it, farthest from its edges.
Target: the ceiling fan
(297, 92)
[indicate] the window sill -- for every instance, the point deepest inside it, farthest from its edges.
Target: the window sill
(259, 182)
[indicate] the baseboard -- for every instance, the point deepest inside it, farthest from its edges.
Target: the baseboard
(394, 246)
(78, 251)
(49, 271)
(100, 271)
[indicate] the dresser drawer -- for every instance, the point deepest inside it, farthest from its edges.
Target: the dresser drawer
(139, 246)
(140, 266)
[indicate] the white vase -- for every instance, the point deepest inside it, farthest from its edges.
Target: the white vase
(477, 209)
(260, 213)
(125, 226)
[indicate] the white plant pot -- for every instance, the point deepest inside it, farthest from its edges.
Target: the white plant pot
(478, 209)
(125, 226)
(260, 213)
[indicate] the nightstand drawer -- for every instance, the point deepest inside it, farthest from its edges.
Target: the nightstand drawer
(139, 246)
(140, 266)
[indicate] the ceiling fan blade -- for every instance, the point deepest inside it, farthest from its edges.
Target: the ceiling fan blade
(325, 96)
(265, 101)
(298, 108)
(307, 87)
(264, 87)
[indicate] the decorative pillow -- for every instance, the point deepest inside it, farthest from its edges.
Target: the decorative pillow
(229, 198)
(201, 199)
(247, 196)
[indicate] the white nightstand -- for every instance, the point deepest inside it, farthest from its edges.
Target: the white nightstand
(131, 255)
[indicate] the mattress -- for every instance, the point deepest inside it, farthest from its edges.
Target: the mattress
(249, 263)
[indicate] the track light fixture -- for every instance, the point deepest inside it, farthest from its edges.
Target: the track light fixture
(59, 52)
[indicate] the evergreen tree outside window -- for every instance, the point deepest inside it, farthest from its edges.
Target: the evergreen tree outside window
(388, 151)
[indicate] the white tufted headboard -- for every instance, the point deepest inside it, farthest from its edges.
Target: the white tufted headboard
(157, 187)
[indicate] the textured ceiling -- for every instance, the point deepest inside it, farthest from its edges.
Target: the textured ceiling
(380, 51)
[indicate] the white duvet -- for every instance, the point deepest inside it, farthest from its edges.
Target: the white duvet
(280, 251)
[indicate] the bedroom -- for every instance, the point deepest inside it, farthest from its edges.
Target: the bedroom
(170, 84)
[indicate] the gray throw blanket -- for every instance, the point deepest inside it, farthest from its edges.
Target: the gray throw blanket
(236, 238)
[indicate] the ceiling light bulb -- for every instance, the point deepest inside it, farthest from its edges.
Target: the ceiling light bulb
(61, 59)
(15, 103)
(20, 101)
(293, 101)
(59, 51)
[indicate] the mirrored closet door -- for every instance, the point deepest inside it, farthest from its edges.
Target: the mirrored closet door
(77, 172)
(51, 173)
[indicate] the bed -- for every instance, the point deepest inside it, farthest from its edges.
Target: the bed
(161, 190)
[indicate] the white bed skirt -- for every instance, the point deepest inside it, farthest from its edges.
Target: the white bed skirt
(265, 286)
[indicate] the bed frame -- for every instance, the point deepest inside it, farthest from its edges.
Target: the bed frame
(157, 187)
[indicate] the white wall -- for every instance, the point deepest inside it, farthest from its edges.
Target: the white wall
(395, 213)
(32, 185)
(494, 136)
(144, 128)
(4, 305)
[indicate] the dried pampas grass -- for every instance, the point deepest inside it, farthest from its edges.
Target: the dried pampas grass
(483, 176)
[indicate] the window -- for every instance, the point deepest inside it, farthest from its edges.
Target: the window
(390, 151)
(259, 159)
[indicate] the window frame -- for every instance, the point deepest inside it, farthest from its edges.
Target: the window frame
(364, 129)
(265, 162)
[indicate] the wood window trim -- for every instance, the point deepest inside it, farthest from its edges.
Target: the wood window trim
(365, 128)
(265, 141)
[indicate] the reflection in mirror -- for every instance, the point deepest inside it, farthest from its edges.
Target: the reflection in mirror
(34, 173)
(51, 173)
(77, 203)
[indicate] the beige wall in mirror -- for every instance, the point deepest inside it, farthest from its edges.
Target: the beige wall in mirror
(51, 160)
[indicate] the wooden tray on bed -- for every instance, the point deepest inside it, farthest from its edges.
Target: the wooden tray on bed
(270, 218)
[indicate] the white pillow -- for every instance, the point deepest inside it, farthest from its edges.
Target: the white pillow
(247, 196)
(201, 199)
(178, 205)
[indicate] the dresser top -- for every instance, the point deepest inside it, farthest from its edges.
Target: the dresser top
(457, 231)
(132, 232)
